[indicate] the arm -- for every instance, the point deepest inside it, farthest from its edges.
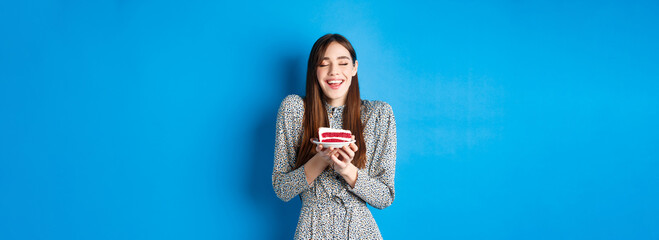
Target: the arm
(344, 165)
(286, 181)
(376, 185)
(317, 164)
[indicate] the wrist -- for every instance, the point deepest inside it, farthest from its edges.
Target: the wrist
(350, 174)
(317, 162)
(349, 171)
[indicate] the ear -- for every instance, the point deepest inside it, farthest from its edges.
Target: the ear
(354, 70)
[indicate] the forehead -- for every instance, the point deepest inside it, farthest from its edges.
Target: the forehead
(336, 50)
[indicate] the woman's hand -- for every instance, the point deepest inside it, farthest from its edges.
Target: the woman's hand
(325, 154)
(319, 162)
(342, 163)
(339, 159)
(342, 159)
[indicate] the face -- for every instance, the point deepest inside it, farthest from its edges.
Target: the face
(335, 73)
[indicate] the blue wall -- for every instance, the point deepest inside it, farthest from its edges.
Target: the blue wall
(155, 119)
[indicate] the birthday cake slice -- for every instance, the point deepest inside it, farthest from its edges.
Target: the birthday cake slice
(334, 135)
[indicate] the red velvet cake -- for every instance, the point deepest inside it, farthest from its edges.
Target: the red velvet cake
(334, 135)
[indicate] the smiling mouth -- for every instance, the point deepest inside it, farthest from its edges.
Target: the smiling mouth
(334, 83)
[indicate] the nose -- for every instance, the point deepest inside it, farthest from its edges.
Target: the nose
(334, 70)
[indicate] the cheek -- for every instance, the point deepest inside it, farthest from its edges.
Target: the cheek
(319, 74)
(348, 71)
(348, 74)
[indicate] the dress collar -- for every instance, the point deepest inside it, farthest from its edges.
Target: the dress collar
(332, 109)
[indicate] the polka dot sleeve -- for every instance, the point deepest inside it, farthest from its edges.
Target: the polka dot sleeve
(375, 185)
(286, 181)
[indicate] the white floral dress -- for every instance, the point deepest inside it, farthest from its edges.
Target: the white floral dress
(331, 209)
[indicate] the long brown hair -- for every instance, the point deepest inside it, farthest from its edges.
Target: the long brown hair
(315, 114)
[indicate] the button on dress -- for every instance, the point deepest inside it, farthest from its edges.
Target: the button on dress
(331, 209)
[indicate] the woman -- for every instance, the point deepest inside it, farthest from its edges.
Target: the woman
(335, 184)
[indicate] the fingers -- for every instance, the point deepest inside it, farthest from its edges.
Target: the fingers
(345, 157)
(320, 148)
(348, 151)
(331, 151)
(353, 147)
(338, 162)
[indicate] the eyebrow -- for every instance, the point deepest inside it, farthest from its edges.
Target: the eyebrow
(341, 57)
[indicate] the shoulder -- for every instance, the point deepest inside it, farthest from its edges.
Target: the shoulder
(291, 103)
(377, 107)
(292, 99)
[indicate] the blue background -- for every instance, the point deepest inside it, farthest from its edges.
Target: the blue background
(155, 119)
